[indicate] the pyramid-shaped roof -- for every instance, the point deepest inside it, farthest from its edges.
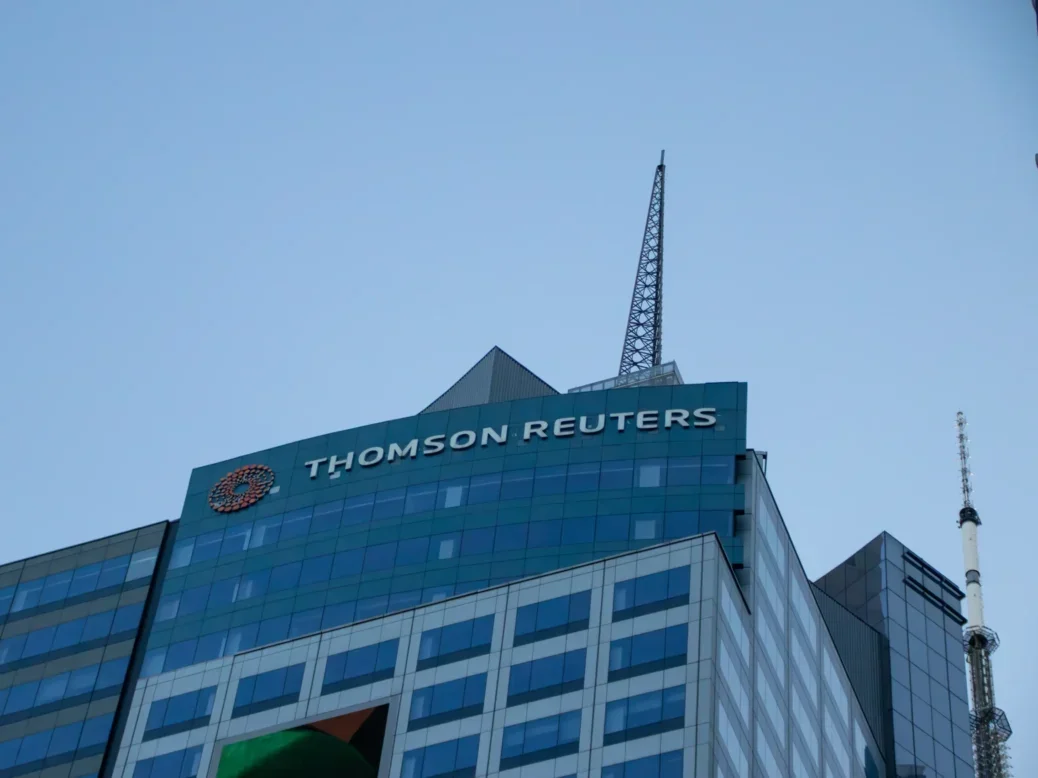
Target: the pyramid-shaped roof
(497, 377)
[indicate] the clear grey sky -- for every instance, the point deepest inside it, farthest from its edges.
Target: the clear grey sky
(228, 226)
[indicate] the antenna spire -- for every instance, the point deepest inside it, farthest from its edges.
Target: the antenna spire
(990, 726)
(643, 341)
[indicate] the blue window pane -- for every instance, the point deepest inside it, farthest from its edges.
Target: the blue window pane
(681, 524)
(305, 622)
(372, 606)
(482, 631)
(650, 473)
(283, 577)
(169, 605)
(127, 618)
(380, 557)
(273, 630)
(154, 660)
(211, 646)
(582, 477)
(241, 638)
(95, 731)
(357, 510)
(112, 673)
(22, 697)
(52, 689)
(578, 530)
(113, 571)
(612, 528)
(34, 747)
(452, 493)
(82, 681)
(338, 614)
(683, 471)
(519, 678)
(389, 504)
(296, 524)
(326, 516)
(549, 480)
(6, 596)
(618, 474)
(399, 601)
(510, 537)
(179, 709)
(316, 569)
(265, 532)
(516, 484)
(412, 552)
(181, 556)
(347, 563)
(56, 587)
(294, 679)
(647, 527)
(236, 539)
(246, 689)
(443, 547)
(545, 534)
(207, 546)
(361, 661)
(84, 580)
(8, 753)
(193, 600)
(718, 469)
(387, 651)
(11, 648)
(39, 641)
(484, 488)
(477, 541)
(269, 685)
(68, 634)
(223, 593)
(580, 605)
(64, 739)
(204, 705)
(420, 498)
(179, 655)
(27, 595)
(468, 749)
(716, 521)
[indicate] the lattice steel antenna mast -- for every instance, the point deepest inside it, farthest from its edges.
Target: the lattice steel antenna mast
(643, 342)
(991, 728)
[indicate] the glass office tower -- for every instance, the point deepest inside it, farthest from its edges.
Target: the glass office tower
(513, 581)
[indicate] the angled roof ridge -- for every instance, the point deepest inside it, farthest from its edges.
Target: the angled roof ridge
(464, 375)
(524, 367)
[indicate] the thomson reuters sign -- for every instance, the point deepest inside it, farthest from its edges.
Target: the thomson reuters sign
(567, 427)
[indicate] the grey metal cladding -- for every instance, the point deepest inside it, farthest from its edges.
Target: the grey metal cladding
(862, 650)
(497, 377)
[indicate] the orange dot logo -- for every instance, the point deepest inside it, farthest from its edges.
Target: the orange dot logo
(241, 488)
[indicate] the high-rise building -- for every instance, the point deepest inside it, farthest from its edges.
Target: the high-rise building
(515, 582)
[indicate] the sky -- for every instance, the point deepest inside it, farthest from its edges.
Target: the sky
(224, 227)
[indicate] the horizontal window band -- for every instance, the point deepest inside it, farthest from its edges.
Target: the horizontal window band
(175, 729)
(507, 763)
(262, 705)
(623, 673)
(443, 718)
(655, 728)
(454, 656)
(551, 632)
(359, 680)
(650, 607)
(544, 692)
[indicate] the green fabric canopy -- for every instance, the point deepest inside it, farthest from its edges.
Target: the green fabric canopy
(303, 752)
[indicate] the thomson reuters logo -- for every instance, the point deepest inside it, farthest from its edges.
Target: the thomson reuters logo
(241, 488)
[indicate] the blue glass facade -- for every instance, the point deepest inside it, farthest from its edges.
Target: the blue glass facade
(331, 545)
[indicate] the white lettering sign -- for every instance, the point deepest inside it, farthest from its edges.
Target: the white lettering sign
(565, 427)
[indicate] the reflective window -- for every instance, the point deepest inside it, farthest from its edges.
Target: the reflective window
(769, 530)
(68, 688)
(455, 642)
(805, 667)
(771, 648)
(617, 474)
(837, 744)
(644, 714)
(456, 758)
(666, 765)
(448, 701)
(271, 689)
(57, 587)
(58, 746)
(733, 680)
(773, 705)
(549, 618)
(773, 592)
(805, 612)
(178, 764)
(766, 756)
(728, 735)
(540, 739)
(731, 613)
(546, 677)
(834, 683)
(179, 713)
(804, 723)
(36, 644)
(648, 652)
(651, 593)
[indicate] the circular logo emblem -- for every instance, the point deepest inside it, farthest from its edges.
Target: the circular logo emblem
(244, 487)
